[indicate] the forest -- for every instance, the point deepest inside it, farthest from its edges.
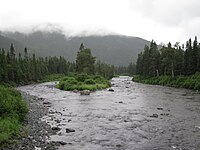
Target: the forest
(21, 69)
(176, 66)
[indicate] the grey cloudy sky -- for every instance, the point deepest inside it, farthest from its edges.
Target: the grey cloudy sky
(161, 20)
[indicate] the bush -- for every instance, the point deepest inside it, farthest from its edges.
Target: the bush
(83, 82)
(11, 103)
(13, 110)
(197, 86)
(89, 81)
(82, 77)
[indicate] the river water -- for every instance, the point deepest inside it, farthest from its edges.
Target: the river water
(133, 117)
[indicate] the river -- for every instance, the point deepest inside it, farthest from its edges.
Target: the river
(133, 117)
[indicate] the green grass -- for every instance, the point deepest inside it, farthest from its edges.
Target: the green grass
(83, 82)
(189, 82)
(13, 111)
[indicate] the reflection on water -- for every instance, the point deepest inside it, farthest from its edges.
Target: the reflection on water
(134, 116)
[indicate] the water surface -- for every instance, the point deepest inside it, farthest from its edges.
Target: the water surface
(133, 117)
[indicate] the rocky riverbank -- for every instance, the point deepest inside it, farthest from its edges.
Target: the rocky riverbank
(35, 133)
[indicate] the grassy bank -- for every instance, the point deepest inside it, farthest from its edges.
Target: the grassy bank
(13, 111)
(83, 82)
(189, 82)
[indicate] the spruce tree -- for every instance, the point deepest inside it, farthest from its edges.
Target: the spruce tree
(85, 61)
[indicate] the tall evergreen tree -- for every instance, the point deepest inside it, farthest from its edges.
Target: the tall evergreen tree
(85, 61)
(12, 52)
(153, 59)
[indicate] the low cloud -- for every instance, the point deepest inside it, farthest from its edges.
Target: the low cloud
(161, 20)
(167, 12)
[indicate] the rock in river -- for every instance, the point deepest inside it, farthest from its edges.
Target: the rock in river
(111, 90)
(46, 103)
(68, 130)
(56, 128)
(159, 108)
(154, 116)
(85, 92)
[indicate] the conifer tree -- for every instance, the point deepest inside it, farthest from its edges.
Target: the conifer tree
(85, 61)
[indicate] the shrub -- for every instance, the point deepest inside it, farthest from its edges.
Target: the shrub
(82, 77)
(11, 103)
(89, 81)
(197, 86)
(83, 82)
(13, 111)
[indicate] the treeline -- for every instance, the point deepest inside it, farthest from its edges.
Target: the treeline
(109, 71)
(126, 70)
(22, 69)
(169, 60)
(17, 68)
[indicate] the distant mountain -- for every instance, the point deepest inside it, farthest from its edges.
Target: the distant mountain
(112, 49)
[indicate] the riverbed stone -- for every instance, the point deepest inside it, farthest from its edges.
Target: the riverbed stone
(62, 142)
(46, 103)
(111, 90)
(57, 120)
(56, 128)
(85, 92)
(41, 98)
(68, 130)
(154, 116)
(75, 91)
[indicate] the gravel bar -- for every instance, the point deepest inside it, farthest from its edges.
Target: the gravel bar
(35, 134)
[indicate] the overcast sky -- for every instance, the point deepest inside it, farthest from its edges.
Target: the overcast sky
(161, 20)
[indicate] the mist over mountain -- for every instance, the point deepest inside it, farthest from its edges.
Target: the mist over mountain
(6, 42)
(111, 49)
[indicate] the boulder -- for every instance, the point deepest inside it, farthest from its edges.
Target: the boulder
(68, 130)
(85, 92)
(75, 91)
(62, 143)
(111, 90)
